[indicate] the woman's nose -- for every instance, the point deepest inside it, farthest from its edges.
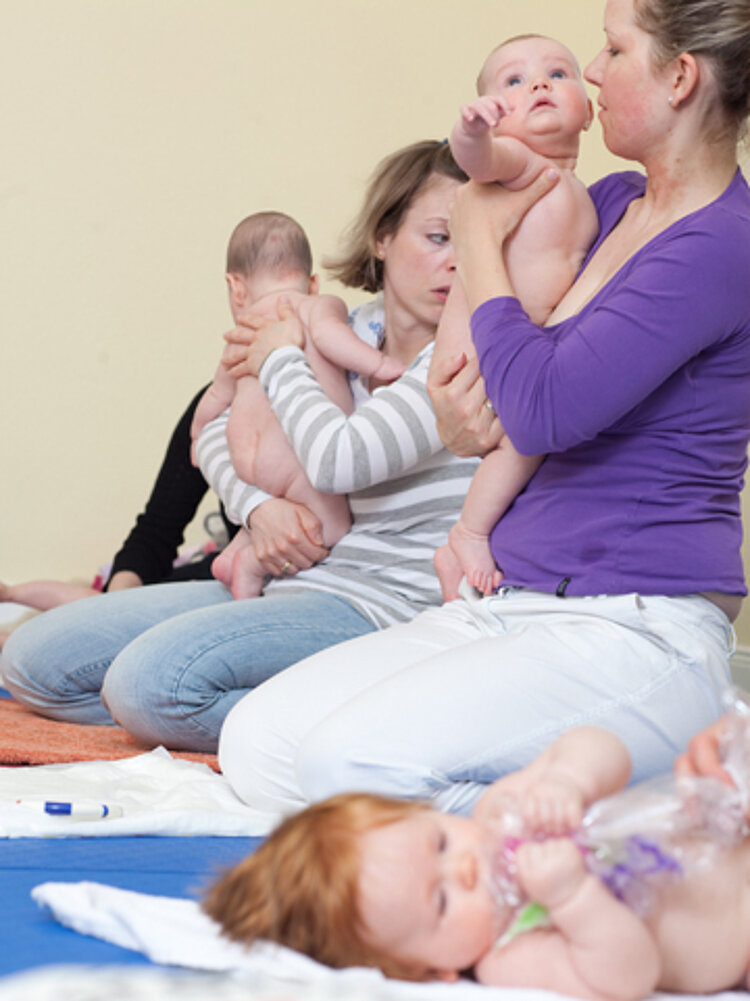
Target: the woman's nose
(591, 72)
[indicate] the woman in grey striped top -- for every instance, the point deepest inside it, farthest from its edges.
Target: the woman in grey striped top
(169, 662)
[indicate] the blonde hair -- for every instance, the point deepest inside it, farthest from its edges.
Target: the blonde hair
(718, 30)
(269, 241)
(481, 83)
(300, 888)
(393, 187)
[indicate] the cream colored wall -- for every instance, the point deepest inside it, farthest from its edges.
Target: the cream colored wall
(135, 134)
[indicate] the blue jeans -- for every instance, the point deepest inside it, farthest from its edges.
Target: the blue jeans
(167, 661)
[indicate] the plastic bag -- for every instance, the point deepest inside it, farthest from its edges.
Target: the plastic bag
(648, 834)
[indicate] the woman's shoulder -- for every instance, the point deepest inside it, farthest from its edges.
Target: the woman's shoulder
(735, 201)
(368, 321)
(611, 194)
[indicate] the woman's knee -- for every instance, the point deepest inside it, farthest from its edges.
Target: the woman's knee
(328, 762)
(46, 668)
(172, 686)
(28, 662)
(256, 755)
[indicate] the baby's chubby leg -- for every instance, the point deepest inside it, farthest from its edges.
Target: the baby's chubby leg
(499, 478)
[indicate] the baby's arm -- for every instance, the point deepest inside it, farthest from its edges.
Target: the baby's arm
(326, 319)
(553, 792)
(486, 157)
(596, 948)
(214, 401)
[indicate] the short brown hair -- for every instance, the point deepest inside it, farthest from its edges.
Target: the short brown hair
(300, 888)
(395, 183)
(269, 241)
(718, 30)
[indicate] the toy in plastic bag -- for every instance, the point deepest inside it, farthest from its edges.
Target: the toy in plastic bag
(647, 834)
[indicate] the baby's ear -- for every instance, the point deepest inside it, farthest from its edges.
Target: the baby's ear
(313, 287)
(237, 290)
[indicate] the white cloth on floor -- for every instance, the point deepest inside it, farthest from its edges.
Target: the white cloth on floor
(174, 931)
(157, 794)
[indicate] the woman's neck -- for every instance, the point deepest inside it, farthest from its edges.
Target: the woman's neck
(676, 186)
(405, 336)
(684, 179)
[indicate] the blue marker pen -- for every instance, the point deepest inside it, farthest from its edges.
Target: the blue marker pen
(75, 810)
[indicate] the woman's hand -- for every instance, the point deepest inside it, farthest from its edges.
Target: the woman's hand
(253, 340)
(483, 216)
(703, 756)
(285, 537)
(467, 425)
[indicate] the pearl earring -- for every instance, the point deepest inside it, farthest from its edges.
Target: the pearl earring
(670, 99)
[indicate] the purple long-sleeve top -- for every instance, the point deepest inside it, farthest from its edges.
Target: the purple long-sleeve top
(641, 402)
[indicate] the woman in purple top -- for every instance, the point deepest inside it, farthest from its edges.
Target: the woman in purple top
(621, 559)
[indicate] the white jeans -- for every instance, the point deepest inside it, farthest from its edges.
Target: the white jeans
(440, 706)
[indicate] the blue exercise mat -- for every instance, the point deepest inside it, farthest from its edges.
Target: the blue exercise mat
(172, 867)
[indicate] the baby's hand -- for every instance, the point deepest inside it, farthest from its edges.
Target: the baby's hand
(525, 804)
(553, 805)
(550, 872)
(482, 114)
(389, 369)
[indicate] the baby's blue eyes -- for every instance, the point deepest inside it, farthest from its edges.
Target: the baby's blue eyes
(517, 79)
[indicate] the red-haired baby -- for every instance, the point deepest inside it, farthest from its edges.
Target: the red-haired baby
(364, 880)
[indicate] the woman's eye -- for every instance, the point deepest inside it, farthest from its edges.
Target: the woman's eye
(612, 51)
(439, 238)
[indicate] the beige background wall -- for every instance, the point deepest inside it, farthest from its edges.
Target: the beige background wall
(135, 133)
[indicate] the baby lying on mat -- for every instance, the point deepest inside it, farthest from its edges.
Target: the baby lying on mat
(525, 892)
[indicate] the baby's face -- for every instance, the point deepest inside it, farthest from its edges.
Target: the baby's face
(541, 85)
(425, 895)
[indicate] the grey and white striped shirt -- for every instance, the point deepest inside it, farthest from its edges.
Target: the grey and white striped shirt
(405, 489)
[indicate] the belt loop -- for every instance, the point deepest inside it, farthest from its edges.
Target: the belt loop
(560, 592)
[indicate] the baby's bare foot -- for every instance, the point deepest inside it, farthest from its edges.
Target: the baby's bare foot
(247, 575)
(475, 558)
(449, 572)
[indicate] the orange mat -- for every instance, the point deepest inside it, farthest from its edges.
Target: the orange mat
(29, 739)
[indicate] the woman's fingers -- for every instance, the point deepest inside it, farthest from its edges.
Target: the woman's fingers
(466, 425)
(286, 537)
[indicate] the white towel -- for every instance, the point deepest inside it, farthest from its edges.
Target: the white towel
(158, 794)
(176, 932)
